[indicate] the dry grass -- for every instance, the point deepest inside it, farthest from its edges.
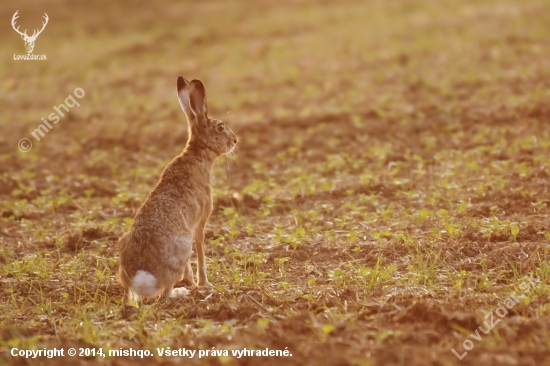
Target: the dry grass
(391, 184)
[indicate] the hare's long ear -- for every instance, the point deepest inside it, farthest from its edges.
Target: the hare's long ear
(197, 99)
(183, 96)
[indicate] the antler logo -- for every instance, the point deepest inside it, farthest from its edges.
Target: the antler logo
(29, 40)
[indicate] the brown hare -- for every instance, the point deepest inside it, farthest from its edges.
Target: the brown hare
(155, 253)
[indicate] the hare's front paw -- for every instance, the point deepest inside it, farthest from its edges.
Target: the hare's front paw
(203, 282)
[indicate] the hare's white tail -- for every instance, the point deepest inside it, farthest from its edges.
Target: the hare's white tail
(145, 284)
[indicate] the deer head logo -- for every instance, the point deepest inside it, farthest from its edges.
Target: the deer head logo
(29, 40)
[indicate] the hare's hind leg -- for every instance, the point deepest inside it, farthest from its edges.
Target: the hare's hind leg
(167, 292)
(199, 246)
(188, 278)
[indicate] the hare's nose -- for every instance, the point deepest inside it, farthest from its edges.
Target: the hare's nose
(235, 140)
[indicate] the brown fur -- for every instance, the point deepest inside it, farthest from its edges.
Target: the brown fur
(179, 205)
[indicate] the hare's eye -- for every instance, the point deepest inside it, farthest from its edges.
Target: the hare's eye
(220, 127)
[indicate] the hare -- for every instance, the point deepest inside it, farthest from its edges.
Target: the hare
(155, 253)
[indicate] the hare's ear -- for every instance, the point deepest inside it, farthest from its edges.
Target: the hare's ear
(183, 96)
(197, 99)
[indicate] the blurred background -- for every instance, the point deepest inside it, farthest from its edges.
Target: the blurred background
(393, 161)
(263, 61)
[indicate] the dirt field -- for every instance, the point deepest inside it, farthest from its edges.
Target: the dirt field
(389, 193)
